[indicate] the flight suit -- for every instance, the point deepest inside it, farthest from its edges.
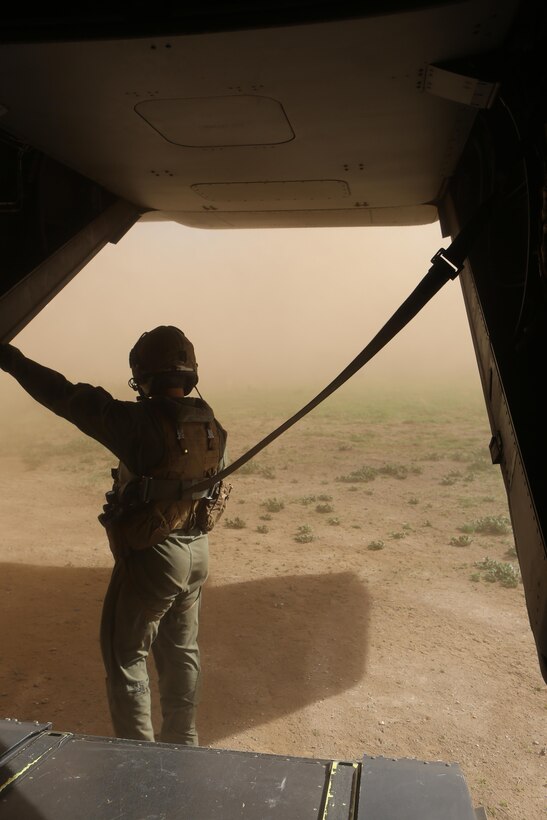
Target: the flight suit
(154, 595)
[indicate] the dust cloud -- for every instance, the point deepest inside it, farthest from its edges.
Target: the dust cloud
(285, 309)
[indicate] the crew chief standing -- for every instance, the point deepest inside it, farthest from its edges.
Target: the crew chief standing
(166, 441)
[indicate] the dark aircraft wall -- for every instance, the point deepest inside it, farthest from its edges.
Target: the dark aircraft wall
(505, 288)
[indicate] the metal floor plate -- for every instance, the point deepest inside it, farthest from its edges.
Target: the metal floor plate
(46, 775)
(62, 777)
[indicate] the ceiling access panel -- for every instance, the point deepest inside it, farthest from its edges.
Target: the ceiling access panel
(339, 100)
(232, 120)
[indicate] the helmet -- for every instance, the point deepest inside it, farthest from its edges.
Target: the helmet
(164, 350)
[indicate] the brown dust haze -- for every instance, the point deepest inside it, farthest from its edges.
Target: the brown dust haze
(284, 309)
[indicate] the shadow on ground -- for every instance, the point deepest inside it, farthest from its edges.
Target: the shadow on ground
(270, 646)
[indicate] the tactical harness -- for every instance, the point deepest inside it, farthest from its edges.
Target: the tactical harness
(143, 510)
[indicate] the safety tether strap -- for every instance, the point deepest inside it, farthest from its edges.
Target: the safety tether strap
(447, 264)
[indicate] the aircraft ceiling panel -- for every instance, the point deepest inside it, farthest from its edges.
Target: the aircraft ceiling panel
(218, 122)
(314, 119)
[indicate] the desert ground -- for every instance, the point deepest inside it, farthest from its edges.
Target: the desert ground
(363, 595)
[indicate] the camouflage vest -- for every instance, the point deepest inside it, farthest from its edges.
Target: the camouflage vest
(194, 445)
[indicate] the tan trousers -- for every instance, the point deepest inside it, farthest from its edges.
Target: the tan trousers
(153, 602)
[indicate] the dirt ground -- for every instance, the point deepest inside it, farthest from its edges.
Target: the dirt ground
(371, 630)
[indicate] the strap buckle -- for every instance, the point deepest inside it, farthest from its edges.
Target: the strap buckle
(450, 268)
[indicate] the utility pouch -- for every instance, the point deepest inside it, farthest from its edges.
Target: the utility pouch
(211, 507)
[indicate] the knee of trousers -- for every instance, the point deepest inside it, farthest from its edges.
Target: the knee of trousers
(119, 688)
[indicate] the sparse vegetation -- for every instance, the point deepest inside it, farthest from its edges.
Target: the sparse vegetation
(489, 525)
(367, 473)
(432, 457)
(397, 536)
(451, 478)
(467, 503)
(362, 474)
(324, 508)
(255, 468)
(360, 595)
(304, 534)
(460, 541)
(236, 523)
(492, 570)
(399, 471)
(273, 505)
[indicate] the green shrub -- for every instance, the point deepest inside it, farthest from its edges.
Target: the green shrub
(398, 471)
(324, 508)
(304, 534)
(489, 525)
(366, 473)
(306, 499)
(361, 475)
(507, 574)
(262, 528)
(235, 523)
(375, 545)
(460, 541)
(334, 522)
(273, 505)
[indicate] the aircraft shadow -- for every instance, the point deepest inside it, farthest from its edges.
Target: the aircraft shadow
(270, 646)
(274, 645)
